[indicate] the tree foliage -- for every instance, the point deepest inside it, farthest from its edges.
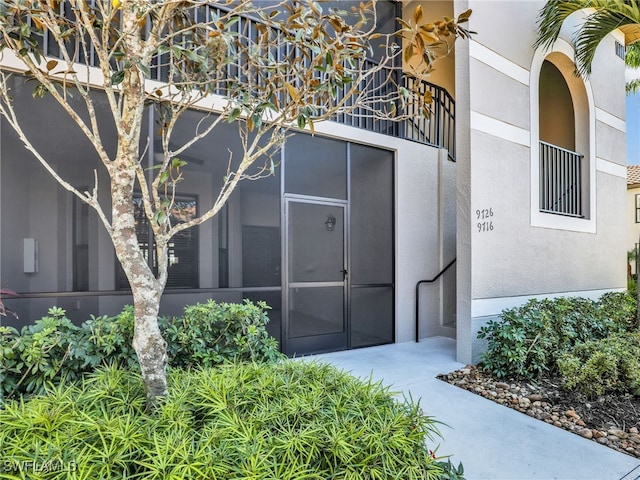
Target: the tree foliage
(632, 59)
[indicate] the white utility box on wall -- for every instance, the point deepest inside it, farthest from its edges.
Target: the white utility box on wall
(30, 255)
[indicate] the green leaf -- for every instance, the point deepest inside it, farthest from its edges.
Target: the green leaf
(25, 30)
(160, 217)
(40, 91)
(235, 113)
(164, 176)
(257, 120)
(329, 59)
(177, 163)
(191, 55)
(144, 69)
(177, 51)
(117, 78)
(231, 22)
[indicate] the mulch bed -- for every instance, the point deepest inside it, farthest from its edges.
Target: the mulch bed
(611, 420)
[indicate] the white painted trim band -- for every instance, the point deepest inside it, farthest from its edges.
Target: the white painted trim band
(498, 62)
(611, 168)
(611, 120)
(500, 129)
(486, 307)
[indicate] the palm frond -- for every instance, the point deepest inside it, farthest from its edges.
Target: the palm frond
(607, 17)
(596, 27)
(553, 15)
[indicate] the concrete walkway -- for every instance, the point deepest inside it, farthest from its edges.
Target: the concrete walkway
(492, 442)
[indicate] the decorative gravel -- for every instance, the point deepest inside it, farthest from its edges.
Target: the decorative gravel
(611, 420)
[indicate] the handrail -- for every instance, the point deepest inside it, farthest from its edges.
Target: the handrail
(440, 144)
(562, 149)
(438, 129)
(420, 282)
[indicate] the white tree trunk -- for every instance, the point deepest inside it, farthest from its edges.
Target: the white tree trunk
(148, 343)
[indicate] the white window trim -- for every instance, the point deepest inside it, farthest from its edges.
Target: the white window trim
(549, 220)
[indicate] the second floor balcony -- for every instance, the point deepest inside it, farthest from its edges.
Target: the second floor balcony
(561, 181)
(435, 129)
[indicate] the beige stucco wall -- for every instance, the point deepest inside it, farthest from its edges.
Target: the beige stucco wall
(528, 254)
(444, 71)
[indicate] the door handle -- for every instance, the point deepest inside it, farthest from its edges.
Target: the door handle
(345, 274)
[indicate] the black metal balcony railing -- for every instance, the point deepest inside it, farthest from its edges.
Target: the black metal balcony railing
(438, 129)
(560, 181)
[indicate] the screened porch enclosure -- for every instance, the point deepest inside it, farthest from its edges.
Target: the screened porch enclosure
(315, 240)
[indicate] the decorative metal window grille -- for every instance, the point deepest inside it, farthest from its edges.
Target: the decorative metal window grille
(560, 181)
(638, 208)
(621, 50)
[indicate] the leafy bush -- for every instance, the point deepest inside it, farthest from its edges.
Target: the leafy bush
(290, 420)
(112, 337)
(603, 366)
(208, 334)
(9, 359)
(619, 307)
(632, 286)
(53, 348)
(527, 341)
(213, 333)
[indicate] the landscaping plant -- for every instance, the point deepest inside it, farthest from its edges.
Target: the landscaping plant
(54, 349)
(291, 420)
(212, 333)
(5, 292)
(527, 341)
(609, 365)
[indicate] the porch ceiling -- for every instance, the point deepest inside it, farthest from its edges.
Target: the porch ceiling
(631, 33)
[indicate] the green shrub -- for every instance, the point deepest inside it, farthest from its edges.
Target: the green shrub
(527, 341)
(208, 334)
(608, 365)
(48, 351)
(619, 307)
(9, 359)
(632, 286)
(112, 338)
(53, 348)
(213, 333)
(290, 420)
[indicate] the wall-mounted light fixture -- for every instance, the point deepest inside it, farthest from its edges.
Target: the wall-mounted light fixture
(330, 223)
